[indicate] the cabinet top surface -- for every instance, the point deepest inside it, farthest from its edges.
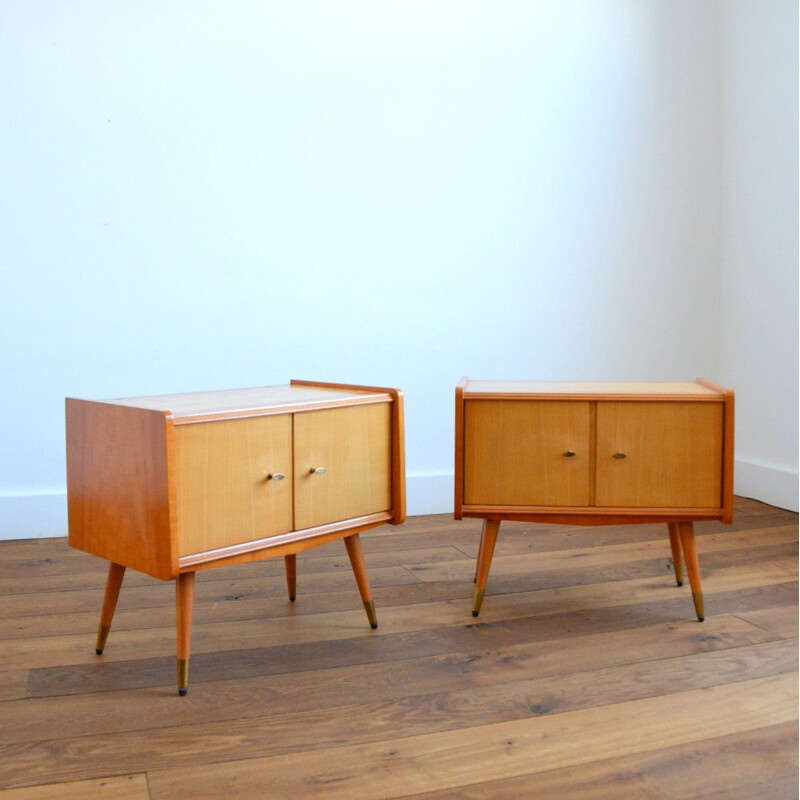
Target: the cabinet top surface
(667, 389)
(241, 401)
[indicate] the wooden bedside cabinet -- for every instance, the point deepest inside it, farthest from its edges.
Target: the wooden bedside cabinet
(594, 454)
(173, 484)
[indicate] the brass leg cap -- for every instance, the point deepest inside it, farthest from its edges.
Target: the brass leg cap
(698, 605)
(679, 574)
(102, 638)
(477, 602)
(183, 676)
(369, 606)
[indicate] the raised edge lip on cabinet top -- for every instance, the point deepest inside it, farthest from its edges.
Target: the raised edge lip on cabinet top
(257, 401)
(586, 390)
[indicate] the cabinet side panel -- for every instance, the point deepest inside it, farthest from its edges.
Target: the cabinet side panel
(354, 447)
(398, 459)
(223, 493)
(117, 485)
(515, 452)
(458, 477)
(672, 454)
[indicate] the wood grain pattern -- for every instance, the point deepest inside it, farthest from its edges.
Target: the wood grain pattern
(126, 787)
(592, 389)
(281, 544)
(431, 761)
(514, 453)
(458, 482)
(586, 677)
(273, 730)
(194, 407)
(673, 454)
(224, 495)
(353, 445)
(398, 474)
(117, 484)
(740, 763)
(398, 439)
(727, 448)
(588, 516)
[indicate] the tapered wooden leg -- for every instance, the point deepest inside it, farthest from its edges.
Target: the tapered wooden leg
(491, 527)
(184, 604)
(116, 572)
(480, 551)
(291, 575)
(686, 531)
(356, 554)
(677, 556)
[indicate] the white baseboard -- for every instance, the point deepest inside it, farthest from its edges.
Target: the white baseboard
(772, 485)
(429, 493)
(33, 515)
(36, 515)
(44, 514)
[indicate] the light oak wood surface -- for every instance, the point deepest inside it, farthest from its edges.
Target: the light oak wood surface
(515, 453)
(229, 403)
(246, 475)
(630, 453)
(353, 446)
(603, 389)
(224, 493)
(672, 455)
(681, 434)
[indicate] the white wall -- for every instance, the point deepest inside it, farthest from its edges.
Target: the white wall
(759, 252)
(204, 195)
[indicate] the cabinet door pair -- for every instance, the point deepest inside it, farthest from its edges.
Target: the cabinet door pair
(605, 454)
(245, 479)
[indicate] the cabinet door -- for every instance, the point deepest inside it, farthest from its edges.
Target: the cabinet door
(672, 454)
(515, 452)
(223, 492)
(353, 447)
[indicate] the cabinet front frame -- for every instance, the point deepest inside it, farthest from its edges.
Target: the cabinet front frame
(597, 515)
(295, 541)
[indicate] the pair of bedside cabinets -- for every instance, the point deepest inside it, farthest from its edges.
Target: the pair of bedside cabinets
(172, 484)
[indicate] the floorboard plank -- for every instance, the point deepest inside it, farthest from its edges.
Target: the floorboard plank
(14, 684)
(266, 599)
(781, 621)
(127, 787)
(326, 687)
(101, 675)
(727, 766)
(369, 717)
(606, 555)
(36, 652)
(494, 752)
(586, 676)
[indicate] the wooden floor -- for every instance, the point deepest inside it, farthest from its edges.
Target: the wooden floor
(587, 674)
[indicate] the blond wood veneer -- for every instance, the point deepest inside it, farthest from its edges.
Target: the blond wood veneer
(173, 484)
(594, 454)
